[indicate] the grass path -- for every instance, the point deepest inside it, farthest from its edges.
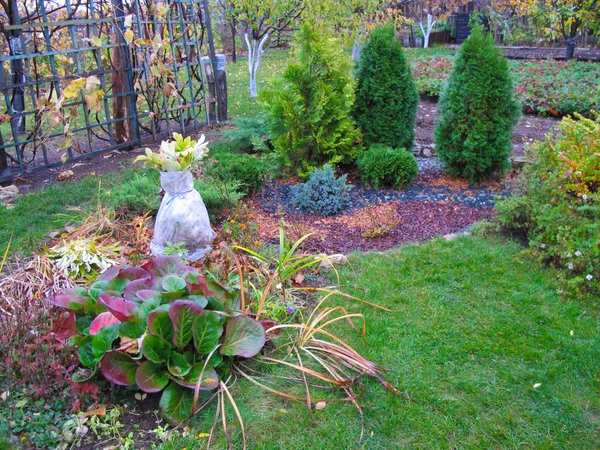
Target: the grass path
(473, 330)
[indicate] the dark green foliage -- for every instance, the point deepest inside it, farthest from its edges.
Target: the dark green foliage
(138, 195)
(385, 166)
(386, 96)
(478, 112)
(322, 194)
(309, 106)
(251, 134)
(249, 171)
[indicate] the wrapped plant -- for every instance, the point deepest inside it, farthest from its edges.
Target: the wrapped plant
(176, 155)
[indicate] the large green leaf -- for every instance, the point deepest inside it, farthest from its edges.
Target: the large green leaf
(133, 330)
(151, 377)
(210, 379)
(206, 330)
(103, 340)
(119, 368)
(159, 323)
(83, 324)
(176, 403)
(86, 353)
(97, 288)
(149, 306)
(155, 348)
(173, 283)
(182, 314)
(178, 365)
(243, 337)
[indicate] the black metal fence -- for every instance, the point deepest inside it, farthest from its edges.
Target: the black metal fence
(82, 77)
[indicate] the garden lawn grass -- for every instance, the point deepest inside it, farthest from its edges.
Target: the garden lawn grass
(35, 215)
(473, 329)
(238, 81)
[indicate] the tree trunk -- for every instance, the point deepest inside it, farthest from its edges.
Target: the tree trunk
(119, 106)
(255, 51)
(233, 38)
(571, 38)
(427, 31)
(3, 159)
(356, 48)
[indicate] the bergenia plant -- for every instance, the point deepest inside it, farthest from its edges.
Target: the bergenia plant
(176, 155)
(163, 327)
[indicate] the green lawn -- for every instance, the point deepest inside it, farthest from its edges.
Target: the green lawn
(472, 330)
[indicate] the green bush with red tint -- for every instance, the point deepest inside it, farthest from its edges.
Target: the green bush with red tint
(163, 327)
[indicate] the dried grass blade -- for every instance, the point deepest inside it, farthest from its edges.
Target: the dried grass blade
(237, 411)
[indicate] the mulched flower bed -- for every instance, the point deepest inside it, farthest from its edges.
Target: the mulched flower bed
(382, 219)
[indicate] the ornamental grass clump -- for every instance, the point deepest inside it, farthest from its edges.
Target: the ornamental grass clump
(386, 96)
(558, 209)
(477, 112)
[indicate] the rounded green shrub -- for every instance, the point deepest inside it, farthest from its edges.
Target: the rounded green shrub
(248, 170)
(322, 194)
(386, 96)
(385, 166)
(477, 112)
(308, 107)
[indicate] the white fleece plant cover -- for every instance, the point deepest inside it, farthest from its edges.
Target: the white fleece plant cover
(182, 217)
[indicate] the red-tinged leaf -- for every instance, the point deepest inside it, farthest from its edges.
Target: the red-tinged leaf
(210, 379)
(118, 368)
(243, 337)
(167, 265)
(132, 289)
(109, 274)
(144, 295)
(102, 320)
(70, 299)
(132, 273)
(182, 314)
(122, 309)
(267, 324)
(199, 287)
(151, 377)
(64, 326)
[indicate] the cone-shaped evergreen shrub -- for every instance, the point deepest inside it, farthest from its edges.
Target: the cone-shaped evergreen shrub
(309, 106)
(386, 95)
(477, 112)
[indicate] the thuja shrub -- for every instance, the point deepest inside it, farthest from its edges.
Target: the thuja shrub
(384, 166)
(322, 194)
(309, 106)
(386, 96)
(558, 209)
(163, 327)
(477, 112)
